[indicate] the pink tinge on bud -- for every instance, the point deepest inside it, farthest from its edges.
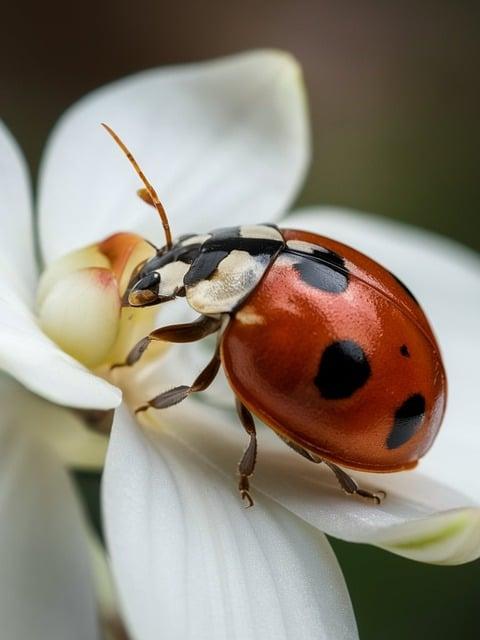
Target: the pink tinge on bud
(81, 313)
(125, 251)
(118, 249)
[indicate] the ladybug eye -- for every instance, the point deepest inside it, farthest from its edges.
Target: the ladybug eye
(145, 290)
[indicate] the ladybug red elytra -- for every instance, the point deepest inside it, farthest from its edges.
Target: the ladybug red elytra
(324, 345)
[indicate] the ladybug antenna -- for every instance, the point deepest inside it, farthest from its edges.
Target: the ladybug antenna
(148, 194)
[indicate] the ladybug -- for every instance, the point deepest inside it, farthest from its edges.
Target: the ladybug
(324, 345)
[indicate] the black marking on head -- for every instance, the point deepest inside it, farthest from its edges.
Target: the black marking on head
(325, 271)
(204, 266)
(404, 351)
(177, 252)
(343, 369)
(404, 287)
(150, 281)
(408, 419)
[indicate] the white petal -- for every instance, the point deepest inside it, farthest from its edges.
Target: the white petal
(105, 590)
(224, 140)
(64, 432)
(17, 261)
(191, 562)
(421, 518)
(34, 360)
(46, 590)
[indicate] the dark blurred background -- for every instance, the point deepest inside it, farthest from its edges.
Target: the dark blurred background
(394, 91)
(394, 99)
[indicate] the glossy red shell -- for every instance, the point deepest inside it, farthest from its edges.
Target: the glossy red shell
(272, 348)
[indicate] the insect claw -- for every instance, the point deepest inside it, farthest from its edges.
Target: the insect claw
(118, 365)
(376, 497)
(144, 407)
(247, 497)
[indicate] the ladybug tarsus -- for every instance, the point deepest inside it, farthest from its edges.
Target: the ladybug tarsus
(350, 487)
(377, 497)
(245, 495)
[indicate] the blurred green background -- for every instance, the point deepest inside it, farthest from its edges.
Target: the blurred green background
(394, 94)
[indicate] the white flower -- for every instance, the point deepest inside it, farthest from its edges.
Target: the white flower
(227, 143)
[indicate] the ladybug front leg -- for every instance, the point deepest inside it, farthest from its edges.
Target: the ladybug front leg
(350, 487)
(246, 466)
(176, 333)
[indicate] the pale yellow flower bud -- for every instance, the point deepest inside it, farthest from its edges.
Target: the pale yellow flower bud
(80, 300)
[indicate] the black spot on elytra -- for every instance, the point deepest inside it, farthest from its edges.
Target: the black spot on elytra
(321, 276)
(404, 351)
(322, 269)
(407, 421)
(343, 369)
(404, 287)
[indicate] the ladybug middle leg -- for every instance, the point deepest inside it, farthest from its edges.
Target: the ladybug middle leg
(177, 394)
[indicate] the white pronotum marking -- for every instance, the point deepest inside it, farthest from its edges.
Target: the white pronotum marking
(236, 275)
(305, 247)
(171, 277)
(260, 231)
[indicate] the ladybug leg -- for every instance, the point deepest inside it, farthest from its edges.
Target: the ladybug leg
(177, 394)
(350, 487)
(311, 457)
(246, 466)
(190, 332)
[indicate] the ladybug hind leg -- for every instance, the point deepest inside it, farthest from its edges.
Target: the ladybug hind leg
(246, 466)
(311, 457)
(347, 483)
(350, 487)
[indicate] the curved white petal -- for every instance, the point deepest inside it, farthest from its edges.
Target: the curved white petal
(191, 562)
(63, 431)
(221, 141)
(431, 514)
(17, 261)
(112, 625)
(421, 518)
(34, 360)
(46, 590)
(25, 352)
